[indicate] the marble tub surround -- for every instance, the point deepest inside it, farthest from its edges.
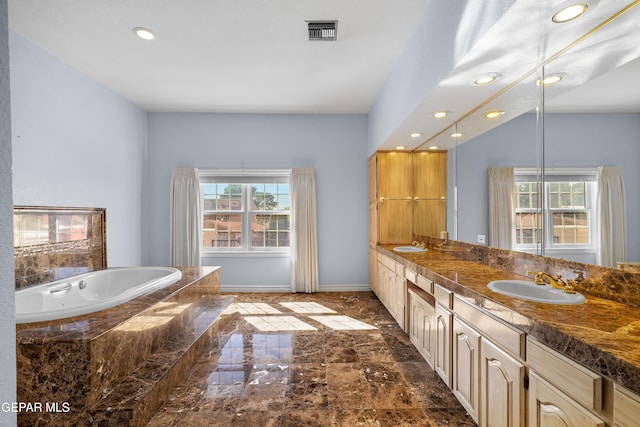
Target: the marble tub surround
(602, 334)
(49, 256)
(281, 362)
(118, 364)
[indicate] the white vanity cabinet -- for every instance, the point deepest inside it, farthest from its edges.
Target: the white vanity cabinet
(443, 324)
(488, 373)
(465, 366)
(561, 392)
(422, 331)
(627, 407)
(501, 387)
(392, 288)
(482, 359)
(550, 407)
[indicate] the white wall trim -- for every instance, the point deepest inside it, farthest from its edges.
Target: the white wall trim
(287, 289)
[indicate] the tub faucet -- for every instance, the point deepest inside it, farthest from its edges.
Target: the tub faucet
(542, 278)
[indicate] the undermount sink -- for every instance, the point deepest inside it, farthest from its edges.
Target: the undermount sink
(529, 291)
(409, 249)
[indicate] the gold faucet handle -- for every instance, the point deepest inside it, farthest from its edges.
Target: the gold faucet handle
(568, 288)
(538, 280)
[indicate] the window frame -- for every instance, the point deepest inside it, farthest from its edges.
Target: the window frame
(553, 175)
(246, 178)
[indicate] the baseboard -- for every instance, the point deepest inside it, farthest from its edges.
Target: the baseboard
(279, 288)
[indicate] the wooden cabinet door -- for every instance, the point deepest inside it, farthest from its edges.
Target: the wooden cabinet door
(373, 224)
(549, 407)
(501, 388)
(373, 270)
(429, 217)
(399, 295)
(430, 175)
(394, 175)
(373, 170)
(442, 354)
(422, 326)
(394, 221)
(383, 284)
(626, 406)
(465, 371)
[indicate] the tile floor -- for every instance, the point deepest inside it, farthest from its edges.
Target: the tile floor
(325, 359)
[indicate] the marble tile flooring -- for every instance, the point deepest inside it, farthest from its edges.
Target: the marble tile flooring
(325, 359)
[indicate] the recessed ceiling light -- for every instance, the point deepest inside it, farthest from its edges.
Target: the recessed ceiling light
(440, 114)
(416, 135)
(486, 79)
(400, 147)
(550, 79)
(456, 135)
(493, 114)
(433, 147)
(144, 33)
(569, 13)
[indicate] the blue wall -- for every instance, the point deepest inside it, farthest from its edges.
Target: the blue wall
(571, 140)
(334, 145)
(76, 143)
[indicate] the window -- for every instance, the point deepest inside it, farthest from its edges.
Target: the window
(569, 210)
(245, 211)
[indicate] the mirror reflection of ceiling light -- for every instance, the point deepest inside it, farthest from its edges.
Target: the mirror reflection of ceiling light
(416, 135)
(550, 79)
(486, 79)
(456, 135)
(144, 33)
(569, 13)
(440, 114)
(493, 114)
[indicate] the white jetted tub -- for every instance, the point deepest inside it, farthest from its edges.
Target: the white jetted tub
(90, 292)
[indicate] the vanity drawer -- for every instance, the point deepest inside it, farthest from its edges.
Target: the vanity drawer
(425, 284)
(387, 262)
(443, 296)
(502, 334)
(411, 276)
(626, 406)
(582, 384)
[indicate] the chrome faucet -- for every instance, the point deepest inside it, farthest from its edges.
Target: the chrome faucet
(542, 278)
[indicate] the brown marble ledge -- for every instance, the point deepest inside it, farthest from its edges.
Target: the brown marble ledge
(87, 327)
(601, 334)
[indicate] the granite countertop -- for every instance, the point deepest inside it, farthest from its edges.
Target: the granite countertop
(601, 334)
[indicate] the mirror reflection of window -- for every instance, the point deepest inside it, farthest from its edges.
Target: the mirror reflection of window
(31, 229)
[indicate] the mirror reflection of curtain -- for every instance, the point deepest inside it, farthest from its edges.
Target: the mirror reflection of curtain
(186, 221)
(304, 252)
(611, 217)
(501, 207)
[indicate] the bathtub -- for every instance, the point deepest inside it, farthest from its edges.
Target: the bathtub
(90, 292)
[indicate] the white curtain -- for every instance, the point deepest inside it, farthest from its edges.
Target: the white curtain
(501, 193)
(304, 252)
(611, 216)
(186, 221)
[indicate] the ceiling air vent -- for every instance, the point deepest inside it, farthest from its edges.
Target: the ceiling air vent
(323, 30)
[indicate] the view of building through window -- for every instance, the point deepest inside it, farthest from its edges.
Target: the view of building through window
(568, 210)
(246, 216)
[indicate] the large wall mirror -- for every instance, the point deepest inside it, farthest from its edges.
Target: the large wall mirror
(589, 119)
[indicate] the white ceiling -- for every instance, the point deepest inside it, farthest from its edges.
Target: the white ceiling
(226, 55)
(254, 56)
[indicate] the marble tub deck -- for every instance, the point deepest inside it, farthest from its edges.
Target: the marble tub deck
(325, 359)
